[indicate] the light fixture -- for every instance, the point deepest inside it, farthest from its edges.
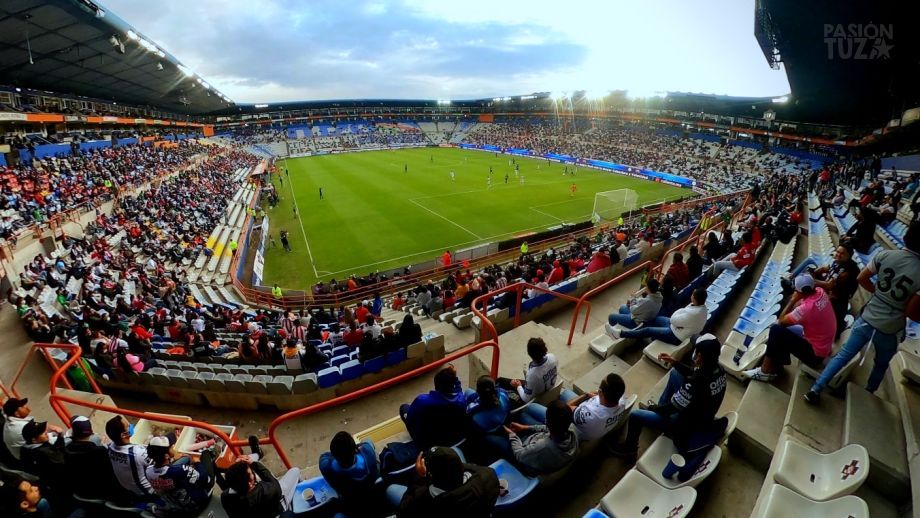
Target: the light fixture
(159, 66)
(781, 99)
(132, 35)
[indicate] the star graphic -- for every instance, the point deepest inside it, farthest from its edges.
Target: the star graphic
(882, 49)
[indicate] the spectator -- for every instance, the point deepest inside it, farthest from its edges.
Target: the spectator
(895, 295)
(861, 236)
(87, 468)
(596, 413)
(437, 418)
(679, 272)
(409, 332)
(805, 330)
(253, 491)
(637, 311)
(689, 402)
(184, 485)
(712, 250)
(129, 461)
(545, 448)
(734, 262)
(22, 498)
(682, 325)
(17, 413)
(541, 372)
(839, 281)
(600, 260)
(447, 488)
(694, 263)
(351, 469)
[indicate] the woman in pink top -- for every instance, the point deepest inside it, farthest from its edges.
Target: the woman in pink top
(805, 330)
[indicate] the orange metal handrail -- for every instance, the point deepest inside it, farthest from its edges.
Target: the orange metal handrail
(323, 405)
(518, 287)
(598, 289)
(57, 401)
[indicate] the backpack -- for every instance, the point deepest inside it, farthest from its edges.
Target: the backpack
(397, 456)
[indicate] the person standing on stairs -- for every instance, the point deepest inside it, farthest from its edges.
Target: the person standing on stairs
(895, 297)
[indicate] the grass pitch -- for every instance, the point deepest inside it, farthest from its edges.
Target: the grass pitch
(385, 209)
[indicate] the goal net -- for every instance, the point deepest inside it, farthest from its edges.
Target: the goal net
(611, 205)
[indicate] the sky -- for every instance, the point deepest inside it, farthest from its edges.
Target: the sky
(291, 50)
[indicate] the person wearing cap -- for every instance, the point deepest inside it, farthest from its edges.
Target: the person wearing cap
(689, 402)
(86, 462)
(17, 414)
(806, 330)
(43, 456)
(545, 448)
(351, 469)
(446, 488)
(895, 297)
(438, 418)
(129, 461)
(640, 310)
(184, 485)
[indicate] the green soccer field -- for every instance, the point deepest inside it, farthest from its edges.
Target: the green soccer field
(386, 209)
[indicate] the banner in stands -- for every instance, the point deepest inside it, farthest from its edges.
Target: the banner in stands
(635, 172)
(12, 116)
(258, 266)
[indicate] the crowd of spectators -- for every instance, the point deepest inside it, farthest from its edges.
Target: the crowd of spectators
(34, 191)
(719, 168)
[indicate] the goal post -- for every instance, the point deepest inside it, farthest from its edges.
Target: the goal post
(610, 205)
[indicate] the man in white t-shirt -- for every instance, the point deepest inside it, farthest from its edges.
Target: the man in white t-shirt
(541, 373)
(597, 413)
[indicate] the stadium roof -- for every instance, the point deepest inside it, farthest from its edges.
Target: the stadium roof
(78, 47)
(848, 61)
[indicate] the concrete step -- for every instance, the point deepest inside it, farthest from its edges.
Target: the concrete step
(760, 422)
(876, 425)
(592, 379)
(907, 398)
(818, 426)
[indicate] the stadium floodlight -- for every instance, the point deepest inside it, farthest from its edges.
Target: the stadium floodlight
(260, 105)
(443, 102)
(781, 99)
(132, 35)
(159, 66)
(184, 69)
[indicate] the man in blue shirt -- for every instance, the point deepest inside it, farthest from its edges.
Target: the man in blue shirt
(351, 469)
(437, 418)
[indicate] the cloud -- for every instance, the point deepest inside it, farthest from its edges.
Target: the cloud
(278, 50)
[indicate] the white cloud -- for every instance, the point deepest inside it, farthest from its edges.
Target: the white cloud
(276, 50)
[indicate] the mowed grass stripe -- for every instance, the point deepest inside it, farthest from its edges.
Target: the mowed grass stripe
(375, 216)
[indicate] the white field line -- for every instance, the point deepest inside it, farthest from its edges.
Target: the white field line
(302, 229)
(545, 213)
(452, 222)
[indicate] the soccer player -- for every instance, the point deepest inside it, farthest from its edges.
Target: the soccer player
(452, 178)
(488, 182)
(521, 178)
(573, 188)
(320, 193)
(506, 177)
(405, 168)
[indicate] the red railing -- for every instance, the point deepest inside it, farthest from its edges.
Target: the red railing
(518, 288)
(324, 405)
(57, 401)
(584, 298)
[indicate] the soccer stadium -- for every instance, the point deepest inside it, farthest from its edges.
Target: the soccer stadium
(393, 258)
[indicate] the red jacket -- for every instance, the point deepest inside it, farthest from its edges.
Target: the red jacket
(599, 261)
(745, 256)
(679, 274)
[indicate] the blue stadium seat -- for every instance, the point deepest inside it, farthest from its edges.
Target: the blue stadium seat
(594, 513)
(339, 360)
(352, 369)
(395, 357)
(329, 377)
(519, 485)
(323, 494)
(342, 349)
(375, 364)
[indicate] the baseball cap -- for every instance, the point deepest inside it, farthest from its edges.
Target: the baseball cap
(11, 405)
(804, 281)
(81, 426)
(708, 346)
(158, 444)
(33, 429)
(444, 467)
